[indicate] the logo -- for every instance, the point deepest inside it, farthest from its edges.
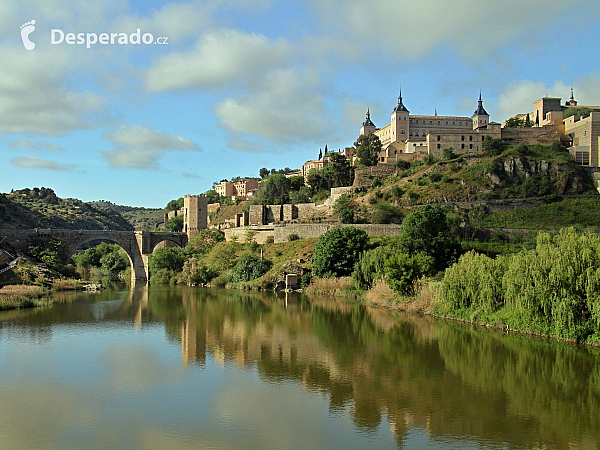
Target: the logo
(26, 30)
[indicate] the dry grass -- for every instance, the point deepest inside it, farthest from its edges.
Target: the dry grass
(333, 287)
(421, 302)
(66, 285)
(20, 296)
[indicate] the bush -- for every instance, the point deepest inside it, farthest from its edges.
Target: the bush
(426, 230)
(293, 237)
(370, 266)
(171, 258)
(270, 240)
(337, 251)
(249, 267)
(402, 270)
(163, 276)
(386, 213)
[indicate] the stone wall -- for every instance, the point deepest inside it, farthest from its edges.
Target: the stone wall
(308, 212)
(362, 177)
(306, 230)
(542, 135)
(256, 215)
(260, 234)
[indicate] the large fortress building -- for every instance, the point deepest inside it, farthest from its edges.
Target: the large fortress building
(408, 133)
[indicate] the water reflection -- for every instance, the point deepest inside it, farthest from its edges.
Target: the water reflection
(451, 383)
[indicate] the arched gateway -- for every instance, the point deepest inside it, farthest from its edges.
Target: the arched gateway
(137, 244)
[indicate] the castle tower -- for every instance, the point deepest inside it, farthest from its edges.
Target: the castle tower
(480, 117)
(399, 124)
(194, 214)
(368, 126)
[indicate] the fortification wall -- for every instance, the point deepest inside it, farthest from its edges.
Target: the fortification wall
(542, 135)
(259, 234)
(362, 177)
(309, 230)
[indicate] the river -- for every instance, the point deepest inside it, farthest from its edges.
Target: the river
(154, 368)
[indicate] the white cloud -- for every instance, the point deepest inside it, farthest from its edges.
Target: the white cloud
(519, 95)
(141, 147)
(286, 108)
(406, 28)
(145, 138)
(219, 58)
(27, 143)
(34, 99)
(32, 162)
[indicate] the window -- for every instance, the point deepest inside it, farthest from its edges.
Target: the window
(462, 138)
(470, 145)
(483, 138)
(439, 123)
(439, 138)
(402, 131)
(471, 137)
(423, 135)
(446, 122)
(439, 146)
(453, 123)
(462, 146)
(431, 122)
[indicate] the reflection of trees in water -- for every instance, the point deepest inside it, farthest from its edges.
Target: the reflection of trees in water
(450, 379)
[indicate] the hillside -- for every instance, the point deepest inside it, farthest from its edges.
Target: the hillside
(42, 208)
(142, 219)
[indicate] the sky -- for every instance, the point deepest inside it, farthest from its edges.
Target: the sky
(225, 87)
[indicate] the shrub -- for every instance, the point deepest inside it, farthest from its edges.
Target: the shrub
(249, 267)
(386, 213)
(293, 237)
(402, 270)
(270, 240)
(426, 230)
(370, 266)
(337, 251)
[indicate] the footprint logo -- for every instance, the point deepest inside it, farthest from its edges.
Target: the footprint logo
(26, 30)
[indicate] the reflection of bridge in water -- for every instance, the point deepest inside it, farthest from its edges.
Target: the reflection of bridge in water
(137, 244)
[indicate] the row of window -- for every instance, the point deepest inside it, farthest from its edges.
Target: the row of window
(439, 122)
(462, 138)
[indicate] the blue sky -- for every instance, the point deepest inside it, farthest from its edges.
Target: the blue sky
(245, 84)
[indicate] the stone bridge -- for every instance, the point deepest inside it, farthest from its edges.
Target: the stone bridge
(137, 244)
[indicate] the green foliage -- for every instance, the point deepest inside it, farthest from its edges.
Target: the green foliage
(335, 174)
(449, 153)
(171, 258)
(553, 289)
(195, 273)
(164, 276)
(370, 266)
(386, 213)
(174, 224)
(493, 147)
(293, 237)
(249, 267)
(343, 208)
(114, 262)
(402, 270)
(302, 195)
(337, 251)
(517, 122)
(577, 110)
(203, 242)
(175, 205)
(212, 196)
(367, 148)
(426, 230)
(274, 190)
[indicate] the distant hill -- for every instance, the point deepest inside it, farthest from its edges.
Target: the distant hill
(42, 208)
(142, 219)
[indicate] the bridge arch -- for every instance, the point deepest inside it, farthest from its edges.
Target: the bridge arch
(137, 244)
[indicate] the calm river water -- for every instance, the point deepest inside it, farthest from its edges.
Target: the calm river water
(156, 368)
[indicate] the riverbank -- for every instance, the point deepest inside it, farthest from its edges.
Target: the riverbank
(21, 296)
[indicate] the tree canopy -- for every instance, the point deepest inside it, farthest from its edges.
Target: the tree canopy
(338, 250)
(367, 148)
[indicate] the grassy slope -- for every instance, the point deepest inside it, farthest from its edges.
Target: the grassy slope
(142, 219)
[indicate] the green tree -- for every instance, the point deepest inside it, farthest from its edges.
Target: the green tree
(212, 196)
(249, 267)
(343, 208)
(203, 242)
(386, 213)
(577, 110)
(402, 270)
(114, 262)
(264, 173)
(338, 250)
(171, 258)
(302, 195)
(174, 224)
(493, 147)
(175, 205)
(367, 148)
(426, 230)
(274, 190)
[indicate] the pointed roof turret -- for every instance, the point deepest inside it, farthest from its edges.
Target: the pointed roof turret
(480, 111)
(400, 106)
(368, 122)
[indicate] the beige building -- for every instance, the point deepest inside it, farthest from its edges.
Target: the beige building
(409, 133)
(195, 214)
(225, 189)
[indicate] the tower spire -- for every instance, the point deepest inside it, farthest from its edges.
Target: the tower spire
(480, 111)
(400, 106)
